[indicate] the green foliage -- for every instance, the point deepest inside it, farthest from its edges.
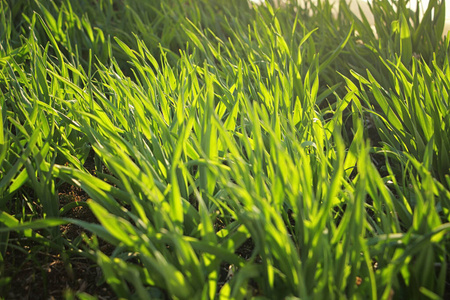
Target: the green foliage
(227, 147)
(398, 34)
(413, 117)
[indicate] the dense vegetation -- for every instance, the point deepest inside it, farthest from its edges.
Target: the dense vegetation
(200, 149)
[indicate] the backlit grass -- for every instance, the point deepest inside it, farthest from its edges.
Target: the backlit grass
(229, 150)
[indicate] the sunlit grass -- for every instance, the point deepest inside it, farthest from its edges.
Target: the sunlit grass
(263, 151)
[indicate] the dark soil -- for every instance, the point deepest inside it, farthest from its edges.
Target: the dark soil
(36, 271)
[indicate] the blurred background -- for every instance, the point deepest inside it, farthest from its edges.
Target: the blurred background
(412, 4)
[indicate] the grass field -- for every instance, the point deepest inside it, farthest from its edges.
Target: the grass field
(210, 149)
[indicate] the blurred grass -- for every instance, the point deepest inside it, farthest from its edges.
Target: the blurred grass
(198, 128)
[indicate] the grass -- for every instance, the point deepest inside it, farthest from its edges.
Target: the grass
(223, 150)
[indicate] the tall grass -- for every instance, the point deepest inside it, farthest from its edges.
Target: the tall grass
(233, 152)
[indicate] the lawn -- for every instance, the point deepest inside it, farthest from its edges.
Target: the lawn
(212, 149)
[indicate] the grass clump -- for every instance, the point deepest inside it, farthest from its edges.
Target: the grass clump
(266, 151)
